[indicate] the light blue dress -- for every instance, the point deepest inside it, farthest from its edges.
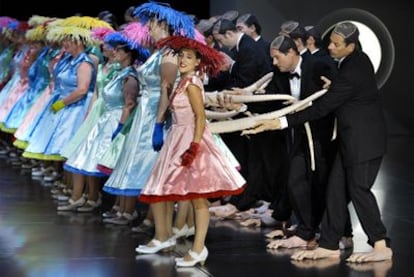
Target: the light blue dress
(137, 156)
(39, 78)
(60, 65)
(6, 63)
(54, 130)
(84, 159)
(95, 112)
(15, 79)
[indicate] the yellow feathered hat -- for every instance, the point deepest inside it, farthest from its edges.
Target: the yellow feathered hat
(36, 34)
(37, 20)
(86, 22)
(58, 33)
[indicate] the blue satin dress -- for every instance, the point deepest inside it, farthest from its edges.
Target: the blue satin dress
(137, 156)
(54, 130)
(15, 79)
(85, 157)
(24, 136)
(104, 75)
(39, 78)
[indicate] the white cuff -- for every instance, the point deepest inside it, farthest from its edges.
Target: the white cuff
(283, 122)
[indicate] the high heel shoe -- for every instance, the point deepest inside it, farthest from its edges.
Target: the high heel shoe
(156, 246)
(183, 232)
(196, 258)
(179, 233)
(190, 232)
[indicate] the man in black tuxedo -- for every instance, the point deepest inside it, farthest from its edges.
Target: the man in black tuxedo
(222, 80)
(355, 100)
(296, 32)
(249, 24)
(305, 188)
(315, 46)
(249, 63)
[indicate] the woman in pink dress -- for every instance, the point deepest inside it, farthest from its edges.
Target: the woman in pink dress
(190, 166)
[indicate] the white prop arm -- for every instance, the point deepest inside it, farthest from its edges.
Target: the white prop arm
(250, 122)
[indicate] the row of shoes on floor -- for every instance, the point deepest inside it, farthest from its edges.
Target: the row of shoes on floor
(116, 217)
(48, 174)
(83, 204)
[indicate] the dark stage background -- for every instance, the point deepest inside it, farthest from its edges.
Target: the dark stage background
(54, 8)
(398, 91)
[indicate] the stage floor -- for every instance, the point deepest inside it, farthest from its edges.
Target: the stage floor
(35, 240)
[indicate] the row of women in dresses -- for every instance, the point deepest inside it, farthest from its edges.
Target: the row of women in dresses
(115, 131)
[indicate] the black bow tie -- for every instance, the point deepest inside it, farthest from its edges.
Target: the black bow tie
(293, 75)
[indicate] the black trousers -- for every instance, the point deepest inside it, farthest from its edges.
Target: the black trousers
(355, 181)
(264, 161)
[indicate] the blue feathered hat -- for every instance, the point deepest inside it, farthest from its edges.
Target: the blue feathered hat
(117, 38)
(181, 23)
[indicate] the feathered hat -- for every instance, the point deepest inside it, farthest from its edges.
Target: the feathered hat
(37, 33)
(58, 33)
(179, 22)
(137, 32)
(118, 38)
(211, 59)
(14, 25)
(100, 33)
(86, 22)
(4, 25)
(36, 20)
(5, 21)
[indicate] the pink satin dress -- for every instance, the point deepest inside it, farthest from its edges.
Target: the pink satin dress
(210, 175)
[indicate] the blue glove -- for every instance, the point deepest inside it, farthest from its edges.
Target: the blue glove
(117, 130)
(158, 136)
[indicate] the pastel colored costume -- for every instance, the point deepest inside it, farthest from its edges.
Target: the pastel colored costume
(38, 78)
(54, 130)
(210, 174)
(16, 77)
(6, 57)
(85, 157)
(108, 161)
(31, 118)
(137, 156)
(226, 151)
(104, 75)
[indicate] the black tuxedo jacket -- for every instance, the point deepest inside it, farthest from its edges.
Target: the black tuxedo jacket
(323, 56)
(250, 63)
(355, 100)
(265, 46)
(311, 70)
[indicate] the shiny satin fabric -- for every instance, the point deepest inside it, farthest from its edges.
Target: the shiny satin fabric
(210, 174)
(85, 157)
(54, 130)
(137, 156)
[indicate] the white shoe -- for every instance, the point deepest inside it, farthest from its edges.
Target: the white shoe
(72, 205)
(38, 172)
(51, 176)
(124, 219)
(190, 232)
(89, 206)
(4, 151)
(111, 213)
(111, 219)
(196, 258)
(147, 226)
(183, 232)
(156, 246)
